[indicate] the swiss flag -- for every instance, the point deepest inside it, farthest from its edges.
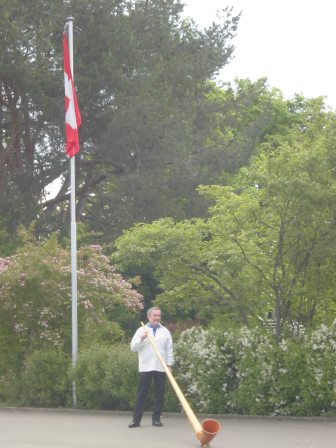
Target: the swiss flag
(72, 113)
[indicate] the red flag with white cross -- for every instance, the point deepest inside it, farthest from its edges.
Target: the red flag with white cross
(72, 113)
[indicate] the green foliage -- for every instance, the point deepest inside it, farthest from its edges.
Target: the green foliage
(319, 391)
(31, 106)
(233, 121)
(246, 372)
(35, 305)
(257, 367)
(107, 378)
(8, 242)
(152, 76)
(206, 368)
(171, 403)
(141, 71)
(169, 251)
(155, 128)
(240, 372)
(268, 243)
(43, 382)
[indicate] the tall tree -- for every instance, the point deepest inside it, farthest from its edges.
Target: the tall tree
(140, 69)
(268, 245)
(29, 113)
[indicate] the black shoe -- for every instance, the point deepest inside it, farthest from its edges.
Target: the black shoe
(133, 424)
(157, 423)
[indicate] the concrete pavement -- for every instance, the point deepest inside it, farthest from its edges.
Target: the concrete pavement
(32, 428)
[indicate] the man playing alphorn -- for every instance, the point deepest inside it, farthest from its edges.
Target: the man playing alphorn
(150, 366)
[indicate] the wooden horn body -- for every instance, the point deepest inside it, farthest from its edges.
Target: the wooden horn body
(206, 431)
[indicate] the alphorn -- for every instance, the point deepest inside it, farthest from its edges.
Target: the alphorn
(206, 430)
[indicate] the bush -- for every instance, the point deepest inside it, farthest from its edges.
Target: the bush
(35, 306)
(291, 378)
(318, 394)
(246, 372)
(44, 381)
(171, 403)
(106, 378)
(257, 367)
(206, 363)
(242, 372)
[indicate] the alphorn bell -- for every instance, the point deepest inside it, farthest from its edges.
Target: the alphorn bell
(206, 430)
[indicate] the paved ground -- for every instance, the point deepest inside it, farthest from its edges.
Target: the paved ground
(21, 428)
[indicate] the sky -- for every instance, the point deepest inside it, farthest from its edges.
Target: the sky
(290, 42)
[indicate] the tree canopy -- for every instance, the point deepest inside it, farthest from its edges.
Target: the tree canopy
(268, 243)
(141, 70)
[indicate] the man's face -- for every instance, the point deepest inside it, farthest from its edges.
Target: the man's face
(155, 318)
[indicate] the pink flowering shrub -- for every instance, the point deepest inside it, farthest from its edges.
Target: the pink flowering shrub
(4, 263)
(35, 300)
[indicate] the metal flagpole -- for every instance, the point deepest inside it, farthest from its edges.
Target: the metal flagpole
(69, 25)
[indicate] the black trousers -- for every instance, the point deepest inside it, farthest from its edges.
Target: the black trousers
(145, 379)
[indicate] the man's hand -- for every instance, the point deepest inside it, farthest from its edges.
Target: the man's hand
(143, 337)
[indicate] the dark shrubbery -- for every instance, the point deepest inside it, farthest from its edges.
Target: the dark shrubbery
(106, 378)
(43, 382)
(242, 372)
